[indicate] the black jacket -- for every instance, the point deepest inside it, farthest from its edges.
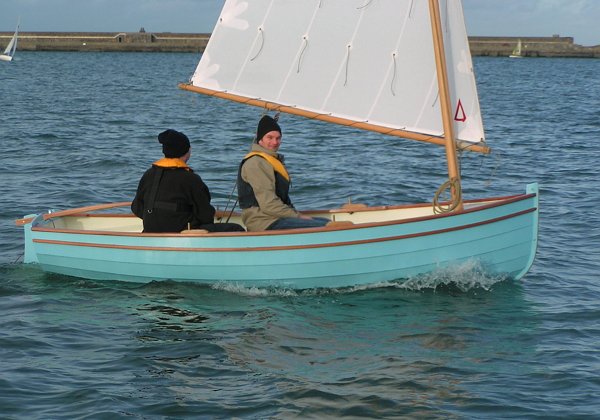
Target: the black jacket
(182, 197)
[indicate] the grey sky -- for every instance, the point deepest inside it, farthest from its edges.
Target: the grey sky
(577, 18)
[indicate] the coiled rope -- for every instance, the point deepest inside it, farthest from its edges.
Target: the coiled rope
(453, 185)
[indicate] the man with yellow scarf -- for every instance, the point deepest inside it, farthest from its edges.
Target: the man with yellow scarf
(263, 185)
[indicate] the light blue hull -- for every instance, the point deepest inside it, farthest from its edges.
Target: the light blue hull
(501, 237)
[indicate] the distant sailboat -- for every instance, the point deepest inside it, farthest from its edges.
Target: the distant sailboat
(517, 52)
(9, 52)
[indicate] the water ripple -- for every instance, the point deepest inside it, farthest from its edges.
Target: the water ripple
(454, 344)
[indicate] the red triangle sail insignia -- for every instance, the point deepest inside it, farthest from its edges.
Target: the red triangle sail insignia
(460, 113)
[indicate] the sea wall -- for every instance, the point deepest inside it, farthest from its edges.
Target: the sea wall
(555, 46)
(108, 41)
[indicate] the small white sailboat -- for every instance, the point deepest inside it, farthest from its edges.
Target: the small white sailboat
(346, 62)
(10, 49)
(518, 51)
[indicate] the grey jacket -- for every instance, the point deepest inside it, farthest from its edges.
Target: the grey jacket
(261, 176)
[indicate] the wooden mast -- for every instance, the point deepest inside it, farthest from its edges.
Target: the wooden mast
(445, 105)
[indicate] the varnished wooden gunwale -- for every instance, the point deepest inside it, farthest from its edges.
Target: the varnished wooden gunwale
(494, 202)
(286, 247)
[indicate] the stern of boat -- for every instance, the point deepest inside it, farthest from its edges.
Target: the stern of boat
(30, 256)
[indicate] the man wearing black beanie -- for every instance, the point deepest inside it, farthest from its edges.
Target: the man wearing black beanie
(263, 185)
(171, 197)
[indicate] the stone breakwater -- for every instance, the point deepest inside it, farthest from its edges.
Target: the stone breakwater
(555, 46)
(108, 41)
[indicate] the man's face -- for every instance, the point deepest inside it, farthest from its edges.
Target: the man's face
(271, 141)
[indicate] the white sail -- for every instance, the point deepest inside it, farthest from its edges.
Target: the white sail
(369, 61)
(10, 49)
(10, 46)
(517, 51)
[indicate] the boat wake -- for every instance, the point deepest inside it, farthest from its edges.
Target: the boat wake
(462, 278)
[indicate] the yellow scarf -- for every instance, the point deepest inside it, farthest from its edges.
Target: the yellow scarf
(275, 163)
(171, 163)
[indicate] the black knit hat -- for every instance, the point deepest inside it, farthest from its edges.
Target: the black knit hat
(175, 144)
(266, 125)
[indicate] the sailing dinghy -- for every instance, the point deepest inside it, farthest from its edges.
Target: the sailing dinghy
(10, 49)
(399, 67)
(518, 51)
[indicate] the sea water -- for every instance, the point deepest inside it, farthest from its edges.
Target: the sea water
(80, 128)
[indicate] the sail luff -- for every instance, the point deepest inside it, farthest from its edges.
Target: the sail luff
(272, 106)
(445, 107)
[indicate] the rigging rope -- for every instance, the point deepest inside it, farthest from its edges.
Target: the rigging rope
(440, 208)
(497, 156)
(229, 201)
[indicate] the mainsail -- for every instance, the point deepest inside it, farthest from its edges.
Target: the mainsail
(517, 51)
(366, 63)
(10, 49)
(12, 45)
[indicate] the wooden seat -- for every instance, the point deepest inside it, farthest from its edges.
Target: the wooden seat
(193, 231)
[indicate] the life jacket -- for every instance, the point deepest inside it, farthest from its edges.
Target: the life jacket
(173, 207)
(246, 195)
